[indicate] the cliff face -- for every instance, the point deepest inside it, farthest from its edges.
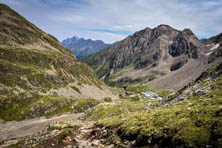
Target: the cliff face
(150, 55)
(214, 47)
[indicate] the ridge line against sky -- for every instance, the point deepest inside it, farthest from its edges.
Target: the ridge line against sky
(114, 20)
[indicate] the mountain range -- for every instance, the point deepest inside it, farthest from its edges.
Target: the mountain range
(162, 57)
(83, 47)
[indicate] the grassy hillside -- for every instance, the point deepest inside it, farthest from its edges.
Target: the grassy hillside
(190, 118)
(25, 79)
(38, 76)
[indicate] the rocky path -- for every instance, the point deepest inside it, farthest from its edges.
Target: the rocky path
(83, 134)
(17, 129)
(65, 131)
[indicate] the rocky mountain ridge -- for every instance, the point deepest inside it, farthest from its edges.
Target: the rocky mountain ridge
(17, 32)
(214, 46)
(83, 47)
(162, 57)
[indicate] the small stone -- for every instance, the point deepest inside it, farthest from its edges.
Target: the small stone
(110, 146)
(125, 142)
(118, 142)
(188, 108)
(134, 142)
(68, 138)
(76, 140)
(96, 142)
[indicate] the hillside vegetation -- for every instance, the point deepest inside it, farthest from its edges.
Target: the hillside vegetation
(190, 118)
(38, 76)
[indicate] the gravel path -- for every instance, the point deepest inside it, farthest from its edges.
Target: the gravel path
(18, 129)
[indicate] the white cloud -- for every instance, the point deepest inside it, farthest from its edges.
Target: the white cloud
(106, 36)
(67, 18)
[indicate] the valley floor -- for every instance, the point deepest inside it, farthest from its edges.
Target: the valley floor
(192, 117)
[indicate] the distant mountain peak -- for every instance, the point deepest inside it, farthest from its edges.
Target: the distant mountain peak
(188, 31)
(164, 26)
(75, 37)
(82, 47)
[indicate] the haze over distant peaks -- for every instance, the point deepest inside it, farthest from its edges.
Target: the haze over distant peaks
(83, 47)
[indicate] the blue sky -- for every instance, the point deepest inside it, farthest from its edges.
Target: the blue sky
(113, 20)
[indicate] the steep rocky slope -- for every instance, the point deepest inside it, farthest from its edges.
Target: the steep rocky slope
(38, 76)
(17, 32)
(214, 46)
(163, 56)
(82, 47)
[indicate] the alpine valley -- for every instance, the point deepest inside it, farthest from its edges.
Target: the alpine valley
(157, 88)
